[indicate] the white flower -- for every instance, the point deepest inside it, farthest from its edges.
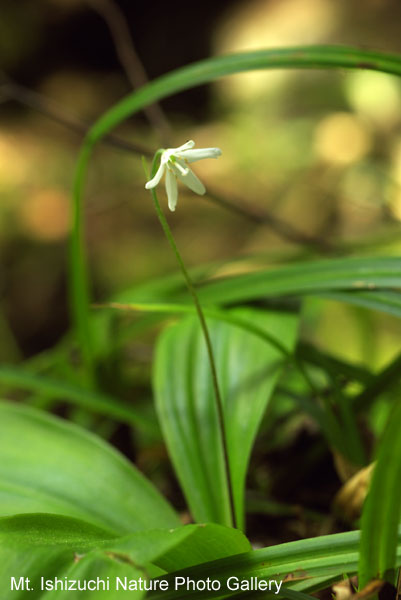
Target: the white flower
(174, 161)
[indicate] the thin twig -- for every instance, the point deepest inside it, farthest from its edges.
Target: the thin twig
(49, 108)
(280, 227)
(130, 61)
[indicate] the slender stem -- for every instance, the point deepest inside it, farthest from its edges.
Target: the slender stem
(191, 288)
(130, 61)
(62, 115)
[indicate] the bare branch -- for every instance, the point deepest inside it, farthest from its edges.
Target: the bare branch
(53, 110)
(280, 227)
(130, 61)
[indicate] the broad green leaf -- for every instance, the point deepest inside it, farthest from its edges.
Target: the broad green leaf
(40, 529)
(382, 508)
(183, 547)
(50, 465)
(109, 569)
(32, 562)
(204, 542)
(44, 567)
(247, 370)
(45, 545)
(42, 545)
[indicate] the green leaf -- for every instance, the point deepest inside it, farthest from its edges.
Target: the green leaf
(349, 280)
(205, 541)
(312, 277)
(247, 370)
(40, 529)
(183, 547)
(105, 566)
(382, 508)
(49, 546)
(298, 57)
(97, 402)
(36, 545)
(313, 563)
(49, 465)
(385, 301)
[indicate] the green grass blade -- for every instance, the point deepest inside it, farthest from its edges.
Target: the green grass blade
(17, 377)
(382, 509)
(384, 301)
(366, 282)
(306, 278)
(324, 557)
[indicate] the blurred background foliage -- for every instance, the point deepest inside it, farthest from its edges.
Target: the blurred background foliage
(314, 158)
(321, 151)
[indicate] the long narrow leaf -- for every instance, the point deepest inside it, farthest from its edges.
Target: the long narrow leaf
(307, 278)
(314, 562)
(301, 57)
(365, 282)
(20, 378)
(382, 509)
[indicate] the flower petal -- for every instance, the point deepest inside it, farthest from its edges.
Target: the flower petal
(171, 189)
(191, 180)
(186, 146)
(193, 155)
(159, 174)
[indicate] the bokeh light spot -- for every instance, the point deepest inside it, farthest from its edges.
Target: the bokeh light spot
(342, 138)
(45, 215)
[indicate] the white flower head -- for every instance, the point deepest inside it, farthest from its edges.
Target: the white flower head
(175, 161)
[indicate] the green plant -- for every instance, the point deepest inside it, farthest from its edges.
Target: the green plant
(79, 510)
